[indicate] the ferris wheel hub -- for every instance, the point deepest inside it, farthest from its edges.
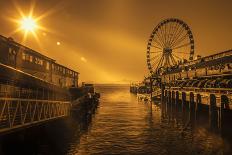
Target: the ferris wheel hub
(167, 50)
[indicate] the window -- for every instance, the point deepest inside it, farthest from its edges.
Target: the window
(53, 68)
(23, 56)
(31, 58)
(47, 65)
(27, 57)
(12, 51)
(39, 61)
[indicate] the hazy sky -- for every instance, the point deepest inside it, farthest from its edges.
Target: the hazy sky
(105, 40)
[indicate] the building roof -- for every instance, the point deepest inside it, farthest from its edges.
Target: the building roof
(11, 41)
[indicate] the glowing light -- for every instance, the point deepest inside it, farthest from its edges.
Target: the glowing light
(58, 43)
(83, 59)
(44, 34)
(28, 24)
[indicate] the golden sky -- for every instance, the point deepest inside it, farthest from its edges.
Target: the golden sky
(105, 40)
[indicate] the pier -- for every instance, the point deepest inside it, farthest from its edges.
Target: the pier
(177, 77)
(33, 94)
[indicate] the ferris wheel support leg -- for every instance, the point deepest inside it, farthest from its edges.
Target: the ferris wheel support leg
(151, 87)
(162, 93)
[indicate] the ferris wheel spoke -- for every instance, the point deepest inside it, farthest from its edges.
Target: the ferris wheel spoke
(177, 37)
(181, 52)
(181, 46)
(179, 41)
(177, 32)
(161, 40)
(167, 62)
(156, 51)
(156, 56)
(156, 62)
(176, 56)
(180, 32)
(160, 62)
(158, 43)
(177, 28)
(156, 46)
(170, 32)
(178, 59)
(173, 60)
(160, 35)
(165, 33)
(153, 58)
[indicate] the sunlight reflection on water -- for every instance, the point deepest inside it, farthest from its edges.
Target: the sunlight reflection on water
(122, 125)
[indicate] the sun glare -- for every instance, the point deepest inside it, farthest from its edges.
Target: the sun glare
(28, 24)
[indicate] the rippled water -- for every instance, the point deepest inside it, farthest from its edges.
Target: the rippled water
(122, 125)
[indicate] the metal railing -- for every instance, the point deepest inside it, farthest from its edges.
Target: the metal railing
(227, 91)
(17, 112)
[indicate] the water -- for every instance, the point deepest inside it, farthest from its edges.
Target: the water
(123, 125)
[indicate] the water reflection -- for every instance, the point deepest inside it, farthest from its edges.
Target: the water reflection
(123, 125)
(54, 138)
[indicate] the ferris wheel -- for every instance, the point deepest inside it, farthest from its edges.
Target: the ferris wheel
(171, 42)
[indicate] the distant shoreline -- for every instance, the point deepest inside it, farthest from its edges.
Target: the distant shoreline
(110, 84)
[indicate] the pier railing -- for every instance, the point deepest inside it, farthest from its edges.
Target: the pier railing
(227, 91)
(17, 113)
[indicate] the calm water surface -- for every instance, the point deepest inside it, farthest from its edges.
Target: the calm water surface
(122, 125)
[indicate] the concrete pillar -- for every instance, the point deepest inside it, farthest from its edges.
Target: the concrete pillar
(225, 102)
(213, 112)
(169, 97)
(162, 93)
(191, 101)
(198, 101)
(177, 97)
(173, 97)
(183, 98)
(192, 108)
(151, 87)
(224, 107)
(165, 95)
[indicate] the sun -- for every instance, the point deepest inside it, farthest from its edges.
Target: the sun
(28, 24)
